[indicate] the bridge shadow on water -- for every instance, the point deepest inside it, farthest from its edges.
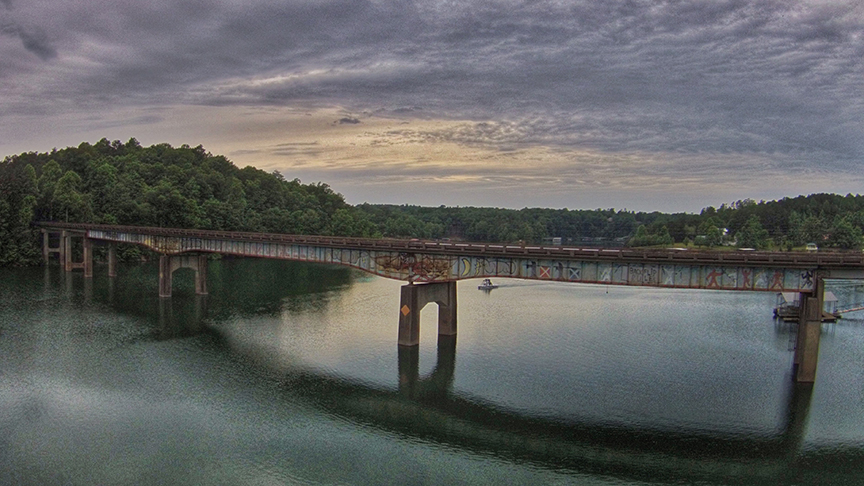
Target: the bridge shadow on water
(428, 409)
(241, 287)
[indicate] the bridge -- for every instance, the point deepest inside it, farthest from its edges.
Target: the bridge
(438, 265)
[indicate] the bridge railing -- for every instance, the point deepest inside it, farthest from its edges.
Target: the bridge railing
(693, 257)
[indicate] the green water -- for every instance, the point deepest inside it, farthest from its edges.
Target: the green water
(290, 374)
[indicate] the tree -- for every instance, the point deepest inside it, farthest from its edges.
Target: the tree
(644, 237)
(47, 186)
(69, 201)
(844, 235)
(709, 232)
(752, 234)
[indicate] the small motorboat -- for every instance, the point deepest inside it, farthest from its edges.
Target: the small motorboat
(487, 285)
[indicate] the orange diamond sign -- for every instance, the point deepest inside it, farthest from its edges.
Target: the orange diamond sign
(406, 310)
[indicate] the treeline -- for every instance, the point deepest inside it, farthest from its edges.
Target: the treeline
(827, 220)
(187, 187)
(503, 225)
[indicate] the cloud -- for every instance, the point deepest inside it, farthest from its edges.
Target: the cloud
(716, 80)
(33, 40)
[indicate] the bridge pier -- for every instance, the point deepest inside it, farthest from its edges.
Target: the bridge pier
(47, 249)
(414, 299)
(168, 264)
(809, 330)
(112, 260)
(88, 257)
(65, 250)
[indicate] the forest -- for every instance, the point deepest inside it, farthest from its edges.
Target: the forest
(112, 182)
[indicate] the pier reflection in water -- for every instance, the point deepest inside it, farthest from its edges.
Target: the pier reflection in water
(285, 369)
(426, 407)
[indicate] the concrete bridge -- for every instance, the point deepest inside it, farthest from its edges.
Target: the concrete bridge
(438, 265)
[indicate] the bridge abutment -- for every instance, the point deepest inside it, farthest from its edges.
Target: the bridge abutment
(414, 298)
(168, 264)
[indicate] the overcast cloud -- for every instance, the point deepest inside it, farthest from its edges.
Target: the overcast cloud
(640, 104)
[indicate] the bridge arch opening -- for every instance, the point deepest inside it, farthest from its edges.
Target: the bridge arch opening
(169, 264)
(183, 281)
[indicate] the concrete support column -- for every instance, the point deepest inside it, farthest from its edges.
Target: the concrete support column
(45, 246)
(47, 250)
(414, 298)
(447, 310)
(62, 249)
(164, 276)
(88, 257)
(112, 260)
(67, 253)
(809, 331)
(409, 316)
(201, 275)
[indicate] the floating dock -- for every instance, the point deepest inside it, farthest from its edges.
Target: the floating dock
(788, 307)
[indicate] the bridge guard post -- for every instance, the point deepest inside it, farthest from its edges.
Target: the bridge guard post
(164, 276)
(112, 260)
(809, 330)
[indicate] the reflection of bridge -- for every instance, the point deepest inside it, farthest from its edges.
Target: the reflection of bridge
(427, 408)
(438, 265)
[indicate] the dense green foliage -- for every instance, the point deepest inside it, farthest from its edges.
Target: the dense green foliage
(186, 187)
(829, 220)
(125, 183)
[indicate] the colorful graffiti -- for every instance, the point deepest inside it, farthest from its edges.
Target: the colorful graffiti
(422, 267)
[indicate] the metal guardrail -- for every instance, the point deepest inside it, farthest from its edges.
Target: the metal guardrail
(835, 259)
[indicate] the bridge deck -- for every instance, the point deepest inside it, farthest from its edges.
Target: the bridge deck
(700, 257)
(437, 261)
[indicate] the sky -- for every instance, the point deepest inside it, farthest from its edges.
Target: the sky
(640, 105)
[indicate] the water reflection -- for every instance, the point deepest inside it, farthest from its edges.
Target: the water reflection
(439, 383)
(427, 408)
(181, 319)
(410, 411)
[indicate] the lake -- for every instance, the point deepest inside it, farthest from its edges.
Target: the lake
(289, 373)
